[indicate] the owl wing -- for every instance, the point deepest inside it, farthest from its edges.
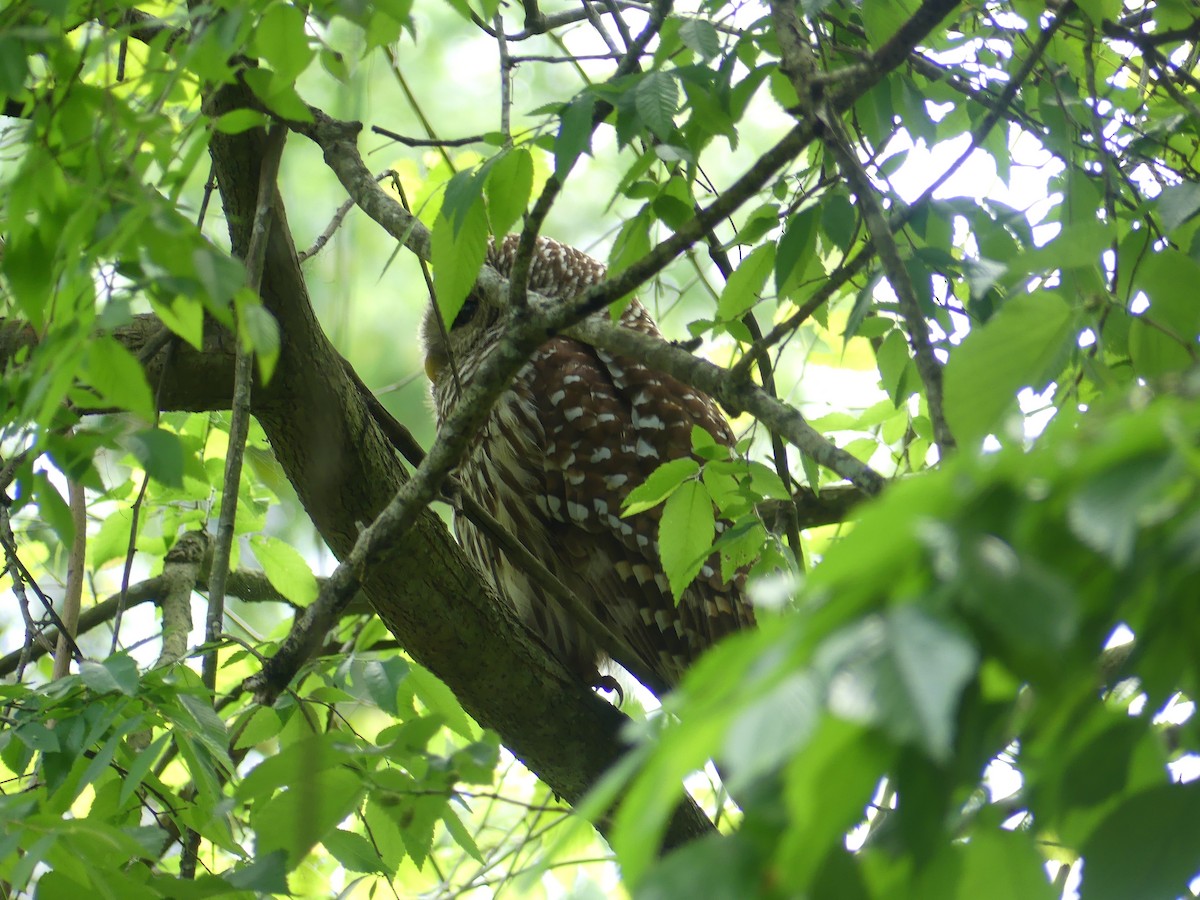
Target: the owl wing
(610, 421)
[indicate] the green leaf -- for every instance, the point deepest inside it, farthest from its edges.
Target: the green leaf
(1178, 203)
(575, 134)
(1146, 847)
(263, 724)
(657, 100)
(137, 771)
(117, 377)
(458, 831)
(382, 679)
(440, 700)
(509, 184)
(1108, 511)
(1163, 339)
(457, 255)
(295, 763)
(28, 263)
(160, 453)
(1015, 349)
(238, 120)
(745, 285)
(267, 874)
(883, 18)
(13, 65)
(117, 674)
(285, 568)
(355, 852)
(700, 36)
(1030, 606)
(1074, 247)
(771, 729)
(715, 867)
(897, 371)
(796, 248)
(259, 331)
(903, 672)
(281, 40)
(685, 534)
(53, 509)
(661, 484)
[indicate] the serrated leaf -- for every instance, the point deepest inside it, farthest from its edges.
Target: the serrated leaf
(101, 680)
(903, 672)
(656, 98)
(463, 192)
(282, 41)
(457, 255)
(574, 135)
(440, 700)
(117, 377)
(1106, 513)
(796, 247)
(160, 453)
(1146, 847)
(662, 482)
(895, 365)
(382, 679)
(267, 874)
(286, 569)
(1178, 203)
(143, 760)
(745, 285)
(700, 36)
(685, 534)
(355, 852)
(262, 725)
(1013, 350)
(260, 331)
(462, 837)
(509, 184)
(238, 120)
(13, 65)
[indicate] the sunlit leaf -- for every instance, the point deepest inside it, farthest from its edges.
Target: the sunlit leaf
(685, 534)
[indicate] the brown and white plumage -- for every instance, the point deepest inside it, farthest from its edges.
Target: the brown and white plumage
(576, 431)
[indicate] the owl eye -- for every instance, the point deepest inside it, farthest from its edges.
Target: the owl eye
(469, 308)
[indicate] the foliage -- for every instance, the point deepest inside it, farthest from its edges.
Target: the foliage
(986, 210)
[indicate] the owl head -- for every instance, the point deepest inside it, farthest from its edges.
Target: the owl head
(476, 327)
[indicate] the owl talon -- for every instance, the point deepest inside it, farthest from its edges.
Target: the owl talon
(609, 683)
(452, 495)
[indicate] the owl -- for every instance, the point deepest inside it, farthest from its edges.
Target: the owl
(574, 433)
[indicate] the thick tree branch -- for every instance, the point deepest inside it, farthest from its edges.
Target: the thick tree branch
(343, 468)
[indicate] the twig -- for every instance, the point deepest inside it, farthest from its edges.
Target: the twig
(427, 142)
(73, 595)
(334, 224)
(506, 77)
(548, 24)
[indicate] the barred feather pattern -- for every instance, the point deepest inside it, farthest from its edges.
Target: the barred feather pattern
(564, 445)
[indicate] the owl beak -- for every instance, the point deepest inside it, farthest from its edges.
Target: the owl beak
(434, 364)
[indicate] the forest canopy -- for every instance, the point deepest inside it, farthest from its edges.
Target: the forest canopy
(937, 262)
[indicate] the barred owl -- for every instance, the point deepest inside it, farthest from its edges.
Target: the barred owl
(574, 433)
